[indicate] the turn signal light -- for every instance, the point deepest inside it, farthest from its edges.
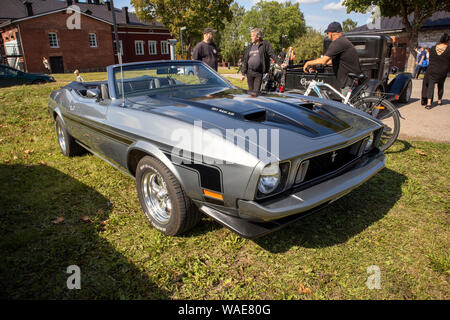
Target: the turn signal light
(211, 194)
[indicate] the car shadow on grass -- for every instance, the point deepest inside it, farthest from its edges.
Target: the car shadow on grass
(49, 221)
(343, 219)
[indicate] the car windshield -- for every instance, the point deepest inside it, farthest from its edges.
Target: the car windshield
(167, 77)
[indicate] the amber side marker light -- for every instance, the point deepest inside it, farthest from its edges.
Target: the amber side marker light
(211, 194)
(379, 107)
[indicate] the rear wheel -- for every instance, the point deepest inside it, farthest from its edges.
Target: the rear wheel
(406, 95)
(384, 111)
(162, 198)
(66, 142)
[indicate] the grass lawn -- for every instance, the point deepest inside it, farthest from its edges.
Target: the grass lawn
(57, 211)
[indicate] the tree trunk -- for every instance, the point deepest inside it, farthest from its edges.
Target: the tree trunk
(411, 53)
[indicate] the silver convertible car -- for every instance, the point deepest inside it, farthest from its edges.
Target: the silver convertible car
(196, 144)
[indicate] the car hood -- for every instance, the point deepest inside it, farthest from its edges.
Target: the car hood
(299, 119)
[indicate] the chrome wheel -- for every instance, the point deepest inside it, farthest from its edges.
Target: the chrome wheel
(61, 137)
(156, 197)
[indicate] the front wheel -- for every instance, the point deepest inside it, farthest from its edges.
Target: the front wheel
(162, 198)
(384, 111)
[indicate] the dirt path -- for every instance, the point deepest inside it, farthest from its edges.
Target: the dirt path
(422, 124)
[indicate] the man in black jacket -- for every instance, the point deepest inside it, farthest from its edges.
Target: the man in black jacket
(256, 61)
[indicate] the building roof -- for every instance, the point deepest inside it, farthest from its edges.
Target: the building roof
(438, 20)
(15, 9)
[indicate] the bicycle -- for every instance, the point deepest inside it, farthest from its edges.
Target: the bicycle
(375, 105)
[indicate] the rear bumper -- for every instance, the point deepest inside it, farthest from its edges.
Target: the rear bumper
(312, 197)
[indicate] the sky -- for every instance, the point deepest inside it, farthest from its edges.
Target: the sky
(318, 13)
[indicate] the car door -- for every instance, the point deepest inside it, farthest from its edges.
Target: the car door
(88, 118)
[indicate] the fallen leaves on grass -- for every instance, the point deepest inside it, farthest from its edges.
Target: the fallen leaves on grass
(85, 218)
(27, 151)
(304, 290)
(58, 220)
(421, 152)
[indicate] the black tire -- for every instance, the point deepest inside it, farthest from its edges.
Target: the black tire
(66, 142)
(191, 73)
(406, 94)
(182, 214)
(384, 111)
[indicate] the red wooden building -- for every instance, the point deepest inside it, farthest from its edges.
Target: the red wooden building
(73, 34)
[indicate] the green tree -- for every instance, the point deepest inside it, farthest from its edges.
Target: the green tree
(309, 46)
(420, 11)
(349, 25)
(232, 41)
(280, 22)
(195, 15)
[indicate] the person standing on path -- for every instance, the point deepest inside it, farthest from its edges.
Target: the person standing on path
(438, 68)
(206, 50)
(256, 61)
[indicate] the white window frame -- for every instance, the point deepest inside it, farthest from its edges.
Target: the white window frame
(152, 47)
(165, 47)
(53, 39)
(121, 47)
(141, 43)
(94, 40)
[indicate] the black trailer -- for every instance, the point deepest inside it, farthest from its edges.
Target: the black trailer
(374, 53)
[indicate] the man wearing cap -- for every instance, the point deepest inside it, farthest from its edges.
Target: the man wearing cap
(343, 55)
(206, 50)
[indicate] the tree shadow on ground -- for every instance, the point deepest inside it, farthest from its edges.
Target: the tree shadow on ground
(343, 219)
(37, 248)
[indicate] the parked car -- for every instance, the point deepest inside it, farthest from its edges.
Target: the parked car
(374, 51)
(196, 143)
(187, 70)
(10, 77)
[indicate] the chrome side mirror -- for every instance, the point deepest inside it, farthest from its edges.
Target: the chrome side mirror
(92, 93)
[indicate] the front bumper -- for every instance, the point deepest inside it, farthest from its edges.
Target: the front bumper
(258, 219)
(309, 198)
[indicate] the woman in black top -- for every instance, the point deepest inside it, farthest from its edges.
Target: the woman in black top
(437, 70)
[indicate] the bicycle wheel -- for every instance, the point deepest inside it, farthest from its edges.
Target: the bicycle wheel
(384, 111)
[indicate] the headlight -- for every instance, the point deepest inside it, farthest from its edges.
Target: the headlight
(270, 178)
(369, 143)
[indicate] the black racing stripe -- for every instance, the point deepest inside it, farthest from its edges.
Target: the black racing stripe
(93, 126)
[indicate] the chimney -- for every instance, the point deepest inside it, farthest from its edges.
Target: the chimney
(108, 4)
(69, 3)
(127, 17)
(29, 7)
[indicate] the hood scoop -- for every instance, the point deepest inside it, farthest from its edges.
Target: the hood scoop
(257, 116)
